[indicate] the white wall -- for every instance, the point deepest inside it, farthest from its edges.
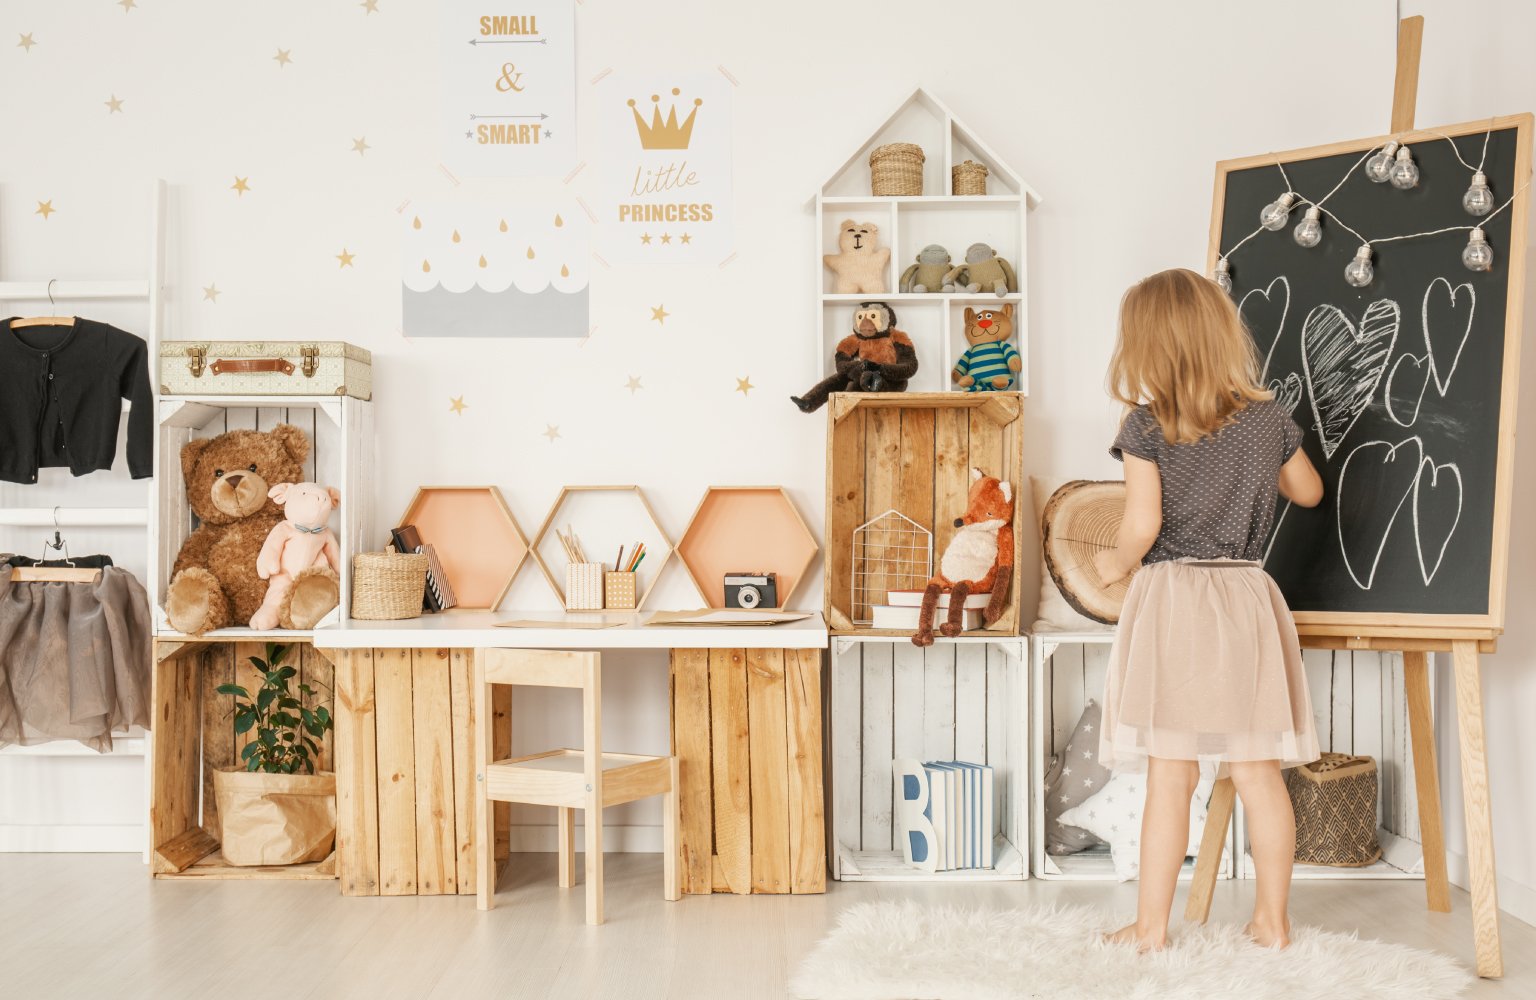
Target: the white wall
(1115, 112)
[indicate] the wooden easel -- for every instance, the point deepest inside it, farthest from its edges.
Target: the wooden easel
(1464, 645)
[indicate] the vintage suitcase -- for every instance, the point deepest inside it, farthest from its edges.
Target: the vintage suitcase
(265, 368)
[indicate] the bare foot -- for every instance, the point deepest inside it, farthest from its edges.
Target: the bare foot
(1267, 934)
(1144, 941)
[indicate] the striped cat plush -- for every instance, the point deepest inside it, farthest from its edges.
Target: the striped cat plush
(990, 363)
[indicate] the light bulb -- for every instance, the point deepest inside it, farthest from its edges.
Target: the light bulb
(1275, 215)
(1405, 173)
(1309, 231)
(1479, 199)
(1223, 275)
(1359, 272)
(1478, 256)
(1379, 167)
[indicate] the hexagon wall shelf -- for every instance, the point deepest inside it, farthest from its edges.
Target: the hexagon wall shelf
(603, 518)
(746, 529)
(476, 539)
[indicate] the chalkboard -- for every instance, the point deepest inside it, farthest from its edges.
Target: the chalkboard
(1405, 388)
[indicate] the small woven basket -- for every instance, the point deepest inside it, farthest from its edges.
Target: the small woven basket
(388, 586)
(896, 169)
(969, 177)
(1334, 799)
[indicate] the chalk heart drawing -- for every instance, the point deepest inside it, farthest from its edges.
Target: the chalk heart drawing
(1437, 498)
(1263, 311)
(1344, 364)
(1405, 388)
(1287, 392)
(1447, 317)
(1375, 481)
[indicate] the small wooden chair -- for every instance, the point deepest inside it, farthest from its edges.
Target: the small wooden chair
(586, 779)
(1218, 820)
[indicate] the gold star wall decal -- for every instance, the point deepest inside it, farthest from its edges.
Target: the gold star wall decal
(114, 104)
(345, 258)
(457, 405)
(360, 145)
(660, 314)
(685, 239)
(666, 237)
(283, 57)
(633, 384)
(370, 6)
(645, 238)
(744, 385)
(551, 432)
(27, 42)
(241, 185)
(127, 5)
(211, 293)
(45, 209)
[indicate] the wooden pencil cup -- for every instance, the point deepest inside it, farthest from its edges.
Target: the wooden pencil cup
(584, 586)
(619, 591)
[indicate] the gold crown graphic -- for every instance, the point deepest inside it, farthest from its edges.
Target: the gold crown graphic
(664, 135)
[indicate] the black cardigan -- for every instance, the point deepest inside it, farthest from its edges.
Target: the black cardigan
(61, 393)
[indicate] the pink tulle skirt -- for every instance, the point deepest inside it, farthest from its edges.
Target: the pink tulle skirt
(1206, 665)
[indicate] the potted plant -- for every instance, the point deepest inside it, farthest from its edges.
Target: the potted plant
(274, 809)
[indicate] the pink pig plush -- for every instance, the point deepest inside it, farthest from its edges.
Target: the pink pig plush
(300, 559)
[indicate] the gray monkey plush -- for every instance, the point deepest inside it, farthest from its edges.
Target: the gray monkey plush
(927, 275)
(983, 269)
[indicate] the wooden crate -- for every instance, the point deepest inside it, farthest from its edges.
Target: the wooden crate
(746, 729)
(913, 452)
(194, 735)
(959, 699)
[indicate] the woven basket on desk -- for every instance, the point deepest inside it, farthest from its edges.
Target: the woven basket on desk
(388, 586)
(1334, 798)
(896, 169)
(969, 177)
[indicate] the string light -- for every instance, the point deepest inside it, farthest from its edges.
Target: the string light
(1358, 272)
(1223, 275)
(1405, 173)
(1478, 256)
(1479, 198)
(1379, 167)
(1309, 231)
(1277, 213)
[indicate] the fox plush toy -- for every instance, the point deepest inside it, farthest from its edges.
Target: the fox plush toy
(979, 559)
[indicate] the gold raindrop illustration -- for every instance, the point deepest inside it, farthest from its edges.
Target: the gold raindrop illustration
(426, 265)
(558, 221)
(530, 253)
(416, 222)
(503, 226)
(455, 236)
(565, 272)
(482, 260)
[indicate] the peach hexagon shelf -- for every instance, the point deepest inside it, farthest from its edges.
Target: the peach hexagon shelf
(604, 519)
(476, 539)
(746, 529)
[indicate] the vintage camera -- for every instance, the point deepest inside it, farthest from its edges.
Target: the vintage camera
(751, 590)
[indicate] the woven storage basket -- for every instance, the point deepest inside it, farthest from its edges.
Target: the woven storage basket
(388, 586)
(969, 177)
(896, 169)
(1334, 798)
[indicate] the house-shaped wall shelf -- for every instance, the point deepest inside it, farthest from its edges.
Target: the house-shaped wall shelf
(934, 320)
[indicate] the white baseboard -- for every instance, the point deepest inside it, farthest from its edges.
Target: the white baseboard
(530, 838)
(126, 838)
(1516, 899)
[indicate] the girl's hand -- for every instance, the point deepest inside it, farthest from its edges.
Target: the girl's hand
(1110, 567)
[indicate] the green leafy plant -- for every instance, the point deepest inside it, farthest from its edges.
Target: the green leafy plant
(285, 742)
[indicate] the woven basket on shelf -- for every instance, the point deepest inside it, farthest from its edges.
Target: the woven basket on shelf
(388, 586)
(1334, 798)
(969, 177)
(896, 169)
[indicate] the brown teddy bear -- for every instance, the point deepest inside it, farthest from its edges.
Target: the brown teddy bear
(214, 582)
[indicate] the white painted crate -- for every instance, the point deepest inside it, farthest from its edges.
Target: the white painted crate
(1359, 706)
(960, 699)
(1067, 670)
(340, 431)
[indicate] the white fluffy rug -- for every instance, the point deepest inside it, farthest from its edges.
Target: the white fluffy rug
(881, 951)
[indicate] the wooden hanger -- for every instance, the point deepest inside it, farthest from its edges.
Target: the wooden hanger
(69, 573)
(17, 324)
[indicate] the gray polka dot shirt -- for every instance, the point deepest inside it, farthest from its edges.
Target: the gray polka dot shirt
(1218, 492)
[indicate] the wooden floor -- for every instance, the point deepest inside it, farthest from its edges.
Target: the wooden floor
(75, 926)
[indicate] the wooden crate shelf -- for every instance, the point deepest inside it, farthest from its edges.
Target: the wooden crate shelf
(913, 452)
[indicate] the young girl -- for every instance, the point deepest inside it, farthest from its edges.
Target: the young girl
(1206, 665)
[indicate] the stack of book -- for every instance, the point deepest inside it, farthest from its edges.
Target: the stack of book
(956, 798)
(902, 606)
(438, 595)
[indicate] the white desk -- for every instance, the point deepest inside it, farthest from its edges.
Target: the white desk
(477, 630)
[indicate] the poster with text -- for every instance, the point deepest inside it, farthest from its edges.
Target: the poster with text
(666, 172)
(509, 87)
(477, 270)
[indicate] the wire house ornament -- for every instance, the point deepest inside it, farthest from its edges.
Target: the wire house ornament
(892, 552)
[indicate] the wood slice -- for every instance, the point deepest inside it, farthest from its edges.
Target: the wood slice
(1080, 520)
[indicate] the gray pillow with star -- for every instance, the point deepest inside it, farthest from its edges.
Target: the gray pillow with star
(1076, 775)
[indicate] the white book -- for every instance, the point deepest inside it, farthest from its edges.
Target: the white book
(953, 844)
(903, 618)
(937, 813)
(914, 599)
(988, 817)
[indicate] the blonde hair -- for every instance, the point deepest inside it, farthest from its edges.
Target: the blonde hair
(1183, 351)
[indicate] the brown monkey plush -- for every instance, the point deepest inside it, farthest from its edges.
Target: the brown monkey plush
(875, 357)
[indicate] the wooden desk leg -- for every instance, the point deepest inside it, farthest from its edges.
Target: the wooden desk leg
(1474, 794)
(1218, 823)
(1421, 727)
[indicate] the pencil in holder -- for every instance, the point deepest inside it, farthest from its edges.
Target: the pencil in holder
(619, 591)
(584, 586)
